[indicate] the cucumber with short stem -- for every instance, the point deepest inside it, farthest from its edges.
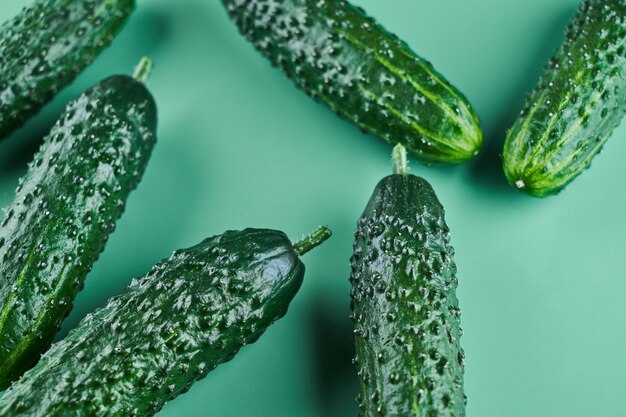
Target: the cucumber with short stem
(46, 46)
(404, 308)
(579, 101)
(64, 210)
(172, 326)
(343, 58)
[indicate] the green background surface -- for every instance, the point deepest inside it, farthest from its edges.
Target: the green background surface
(543, 282)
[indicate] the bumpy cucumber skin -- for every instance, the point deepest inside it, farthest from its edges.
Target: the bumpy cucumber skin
(404, 307)
(171, 327)
(579, 101)
(44, 48)
(64, 209)
(343, 58)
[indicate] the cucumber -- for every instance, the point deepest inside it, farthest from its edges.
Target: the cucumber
(46, 46)
(64, 209)
(343, 58)
(172, 326)
(404, 308)
(579, 101)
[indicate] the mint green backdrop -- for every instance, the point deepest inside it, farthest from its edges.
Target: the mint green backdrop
(543, 282)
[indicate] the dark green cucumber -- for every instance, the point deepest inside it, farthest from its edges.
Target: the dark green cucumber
(172, 326)
(405, 312)
(343, 58)
(64, 209)
(579, 101)
(44, 48)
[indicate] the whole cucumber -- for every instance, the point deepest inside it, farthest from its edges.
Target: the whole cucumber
(46, 46)
(580, 100)
(343, 58)
(64, 209)
(172, 326)
(405, 311)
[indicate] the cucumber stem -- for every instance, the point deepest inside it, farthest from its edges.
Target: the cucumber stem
(143, 70)
(312, 240)
(398, 158)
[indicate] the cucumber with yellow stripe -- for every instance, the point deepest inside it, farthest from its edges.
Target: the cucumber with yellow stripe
(343, 58)
(579, 101)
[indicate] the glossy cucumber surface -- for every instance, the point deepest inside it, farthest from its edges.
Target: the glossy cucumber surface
(342, 57)
(46, 46)
(580, 99)
(405, 311)
(172, 326)
(64, 209)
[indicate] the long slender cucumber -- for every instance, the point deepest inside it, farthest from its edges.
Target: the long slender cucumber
(46, 46)
(343, 58)
(172, 326)
(64, 209)
(405, 311)
(579, 101)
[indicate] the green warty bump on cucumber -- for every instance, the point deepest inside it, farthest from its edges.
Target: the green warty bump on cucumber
(579, 101)
(64, 209)
(343, 58)
(172, 326)
(404, 308)
(44, 48)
